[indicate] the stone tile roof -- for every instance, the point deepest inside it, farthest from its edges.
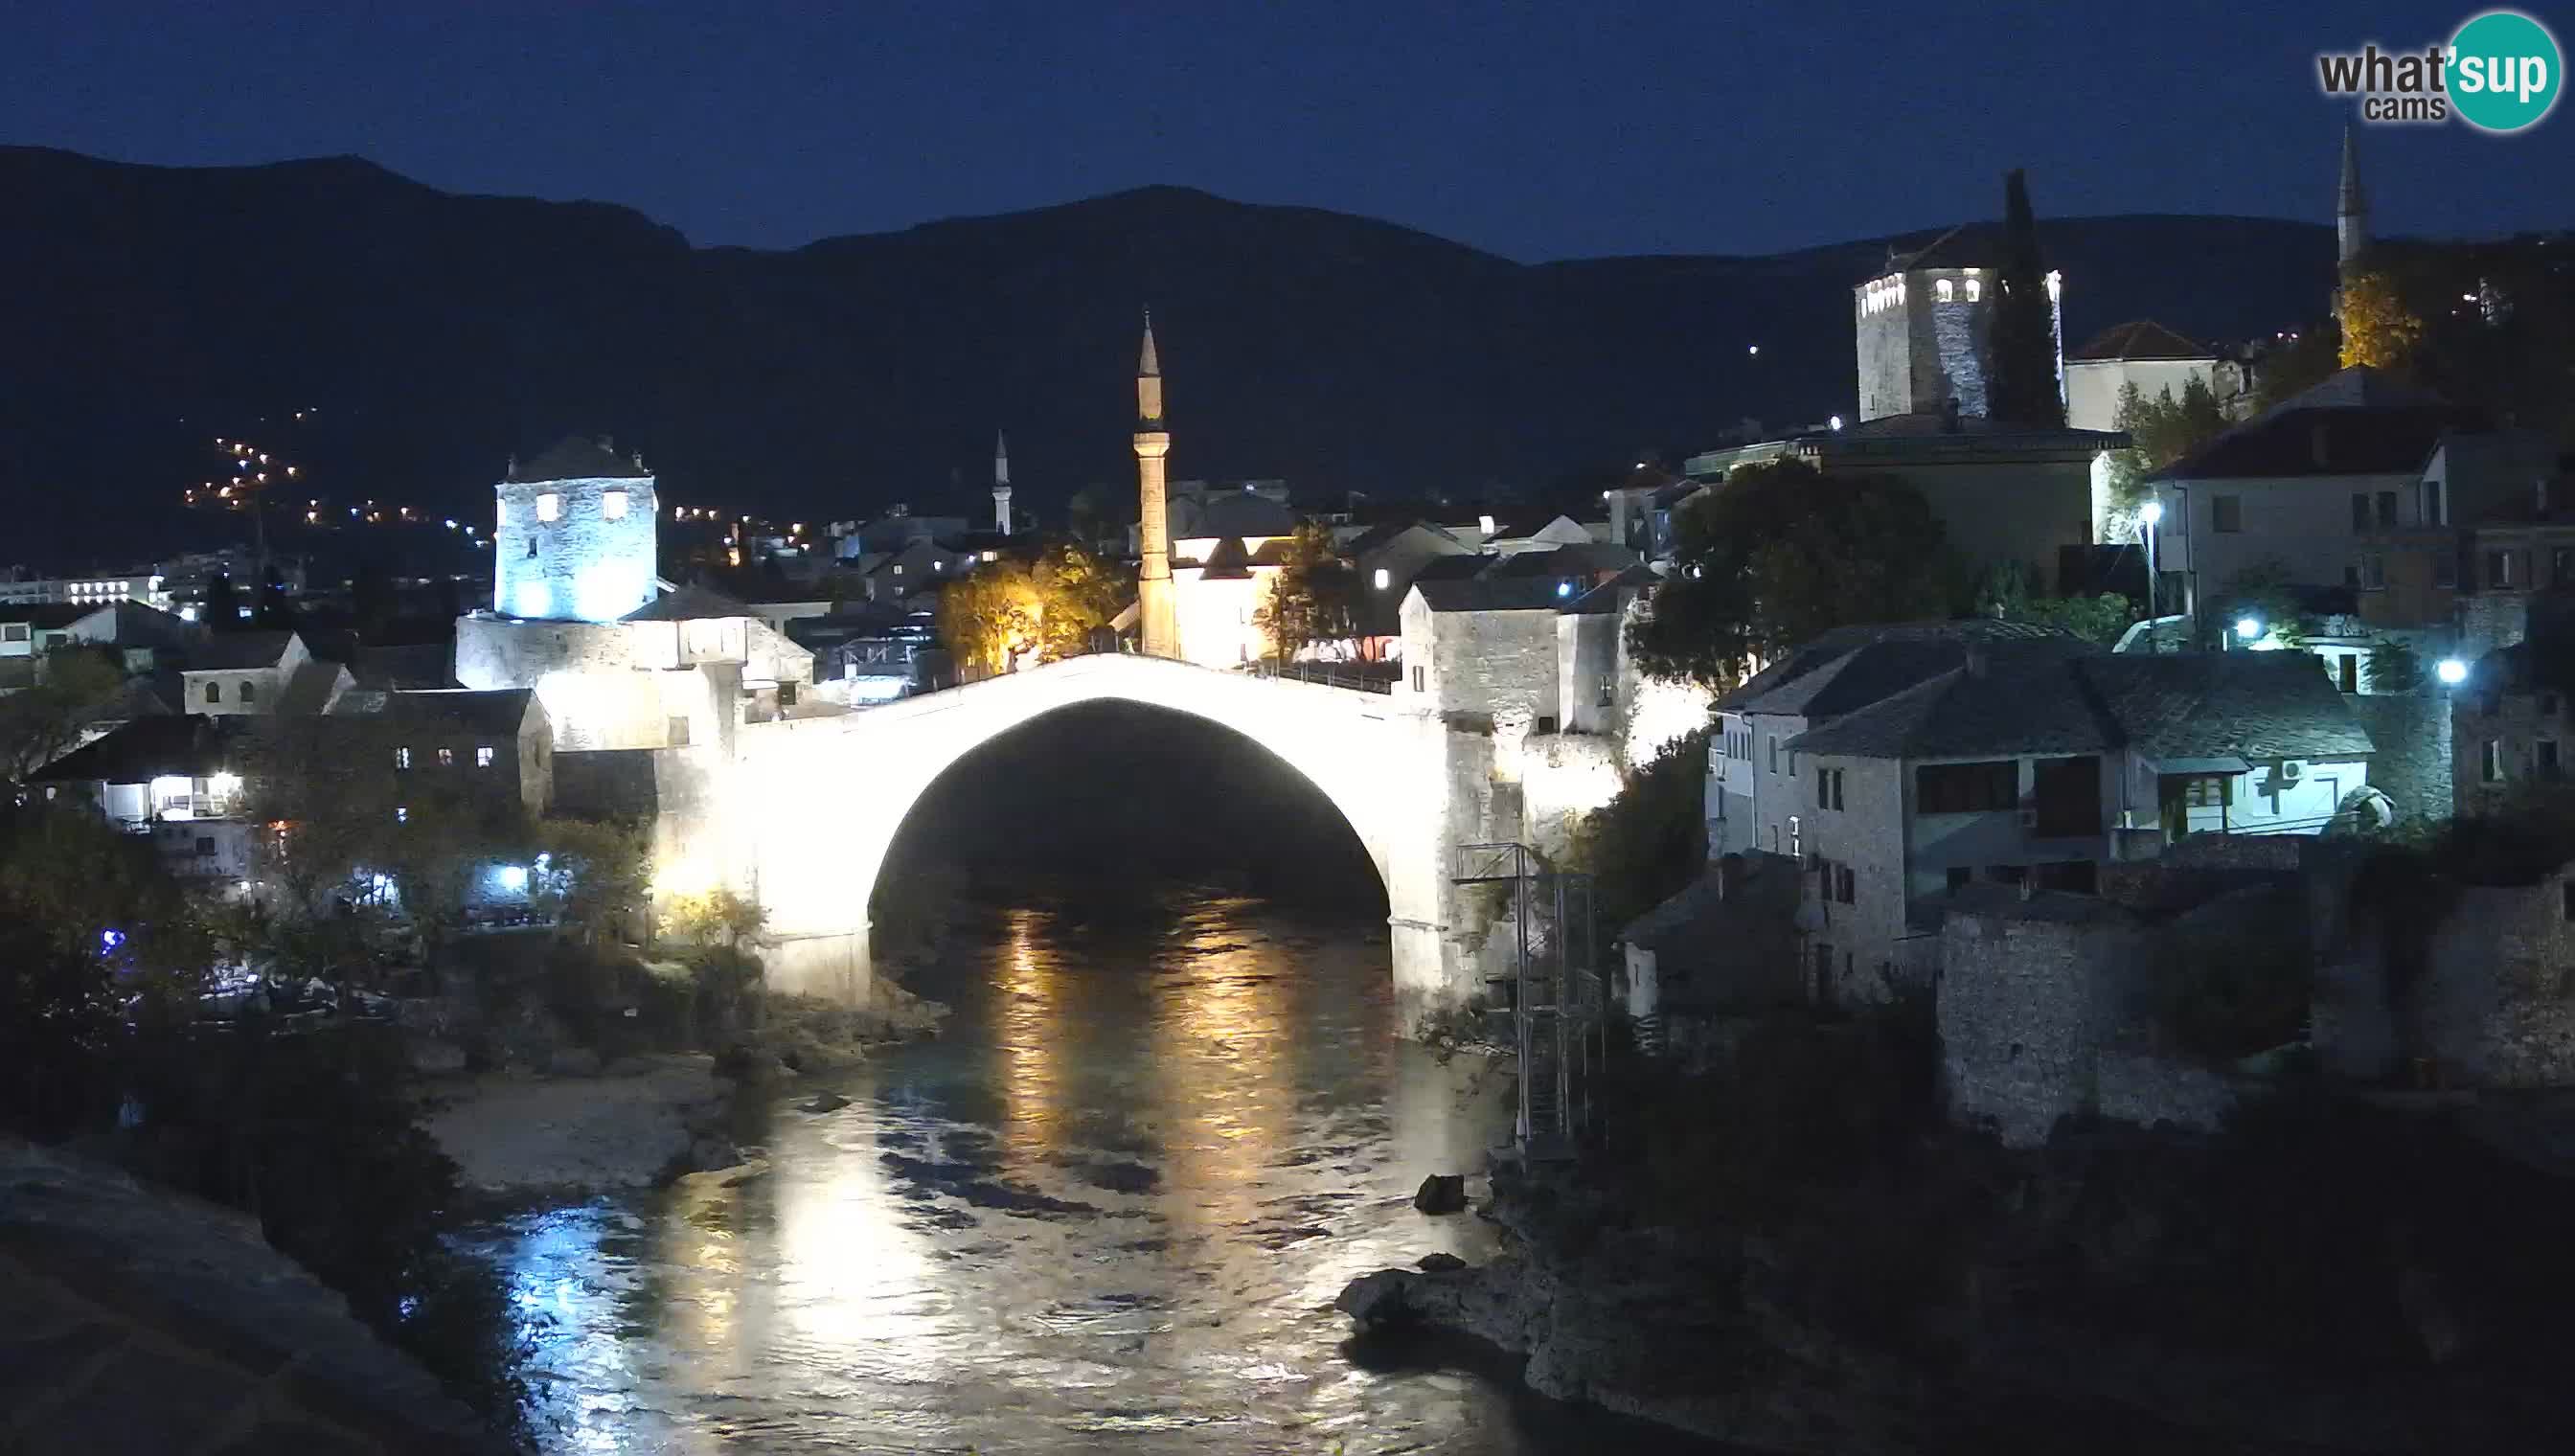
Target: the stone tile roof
(238, 651)
(1612, 596)
(146, 749)
(2188, 704)
(2354, 421)
(488, 711)
(310, 687)
(2140, 338)
(1589, 559)
(581, 458)
(690, 603)
(1831, 647)
(1491, 593)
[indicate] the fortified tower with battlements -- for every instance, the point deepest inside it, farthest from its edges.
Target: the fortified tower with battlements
(574, 540)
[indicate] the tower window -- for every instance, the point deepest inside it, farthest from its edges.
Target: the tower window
(550, 507)
(214, 691)
(1975, 289)
(612, 505)
(483, 755)
(1944, 290)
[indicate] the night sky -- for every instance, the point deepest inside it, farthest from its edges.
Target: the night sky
(1538, 132)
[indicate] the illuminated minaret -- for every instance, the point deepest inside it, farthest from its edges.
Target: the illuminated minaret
(1158, 621)
(1001, 483)
(2351, 210)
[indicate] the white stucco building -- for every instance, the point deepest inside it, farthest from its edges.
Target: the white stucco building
(2141, 353)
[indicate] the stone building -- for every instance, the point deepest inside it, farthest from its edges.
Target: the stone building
(173, 779)
(1925, 324)
(496, 743)
(259, 671)
(2510, 723)
(575, 535)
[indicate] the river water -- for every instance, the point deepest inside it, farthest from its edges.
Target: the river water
(1106, 1210)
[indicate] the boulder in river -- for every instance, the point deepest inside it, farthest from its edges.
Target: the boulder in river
(1440, 1264)
(1442, 1193)
(825, 1103)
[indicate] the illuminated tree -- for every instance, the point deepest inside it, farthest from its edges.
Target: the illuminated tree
(1313, 598)
(1077, 594)
(2160, 431)
(2377, 328)
(990, 618)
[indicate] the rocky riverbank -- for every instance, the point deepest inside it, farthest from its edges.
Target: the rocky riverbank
(2388, 1291)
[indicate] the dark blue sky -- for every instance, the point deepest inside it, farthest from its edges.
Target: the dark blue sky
(1538, 132)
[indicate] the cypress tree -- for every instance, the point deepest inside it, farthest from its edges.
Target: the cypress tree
(2023, 342)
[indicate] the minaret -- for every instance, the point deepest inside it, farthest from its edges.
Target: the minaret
(2351, 210)
(1158, 619)
(1001, 483)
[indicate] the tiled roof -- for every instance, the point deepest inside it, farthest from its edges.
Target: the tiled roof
(1830, 645)
(146, 749)
(1611, 594)
(236, 652)
(2140, 338)
(688, 604)
(1491, 593)
(308, 687)
(492, 711)
(2188, 704)
(1587, 559)
(579, 458)
(2355, 422)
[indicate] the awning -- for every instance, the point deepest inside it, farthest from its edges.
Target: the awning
(2227, 763)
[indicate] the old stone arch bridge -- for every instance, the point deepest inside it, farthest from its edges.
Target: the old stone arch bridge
(800, 813)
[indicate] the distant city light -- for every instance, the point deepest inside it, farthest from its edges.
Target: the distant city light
(1753, 349)
(2451, 672)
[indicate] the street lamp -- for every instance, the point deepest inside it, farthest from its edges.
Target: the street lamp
(2248, 627)
(2451, 672)
(2150, 515)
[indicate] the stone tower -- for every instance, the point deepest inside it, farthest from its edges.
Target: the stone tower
(1001, 483)
(575, 536)
(1157, 617)
(1923, 328)
(2351, 210)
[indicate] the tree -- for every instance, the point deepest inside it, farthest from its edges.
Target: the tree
(1649, 841)
(2266, 592)
(2006, 594)
(2025, 390)
(2392, 666)
(1313, 598)
(713, 919)
(595, 872)
(2377, 328)
(47, 719)
(990, 618)
(223, 603)
(2160, 431)
(1779, 553)
(1077, 594)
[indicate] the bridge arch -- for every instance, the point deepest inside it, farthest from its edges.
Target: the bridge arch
(813, 806)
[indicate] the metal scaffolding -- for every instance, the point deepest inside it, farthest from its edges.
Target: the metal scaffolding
(1553, 991)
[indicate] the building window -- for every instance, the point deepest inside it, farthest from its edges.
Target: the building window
(249, 691)
(447, 758)
(2373, 572)
(402, 758)
(205, 844)
(550, 507)
(2498, 569)
(1774, 753)
(787, 694)
(401, 815)
(1846, 885)
(2544, 759)
(2387, 509)
(2490, 762)
(2226, 514)
(2432, 503)
(2208, 790)
(1417, 676)
(2360, 510)
(1975, 289)
(1940, 788)
(612, 505)
(483, 755)
(1797, 838)
(214, 692)
(1944, 289)
(2561, 566)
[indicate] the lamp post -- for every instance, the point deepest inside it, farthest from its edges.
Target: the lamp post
(2150, 515)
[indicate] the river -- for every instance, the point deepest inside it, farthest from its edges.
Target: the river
(1107, 1209)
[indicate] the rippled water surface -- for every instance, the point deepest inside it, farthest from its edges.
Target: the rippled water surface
(1107, 1211)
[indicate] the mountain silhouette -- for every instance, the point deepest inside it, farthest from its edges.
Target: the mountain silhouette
(428, 336)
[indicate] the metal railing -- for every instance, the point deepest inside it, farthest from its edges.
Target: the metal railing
(1357, 677)
(1554, 991)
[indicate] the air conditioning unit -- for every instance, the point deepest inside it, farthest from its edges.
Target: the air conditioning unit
(2290, 769)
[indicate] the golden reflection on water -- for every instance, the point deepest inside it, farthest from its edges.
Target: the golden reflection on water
(1225, 1071)
(1032, 1020)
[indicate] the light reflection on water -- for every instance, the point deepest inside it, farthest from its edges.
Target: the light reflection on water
(1107, 1211)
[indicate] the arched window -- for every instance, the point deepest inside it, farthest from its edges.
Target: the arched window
(1944, 289)
(214, 691)
(249, 691)
(1975, 289)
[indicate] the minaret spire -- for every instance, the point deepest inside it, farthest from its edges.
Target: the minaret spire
(1001, 482)
(1157, 617)
(2351, 207)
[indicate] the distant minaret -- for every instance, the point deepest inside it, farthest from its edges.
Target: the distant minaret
(1158, 619)
(1001, 483)
(2351, 210)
